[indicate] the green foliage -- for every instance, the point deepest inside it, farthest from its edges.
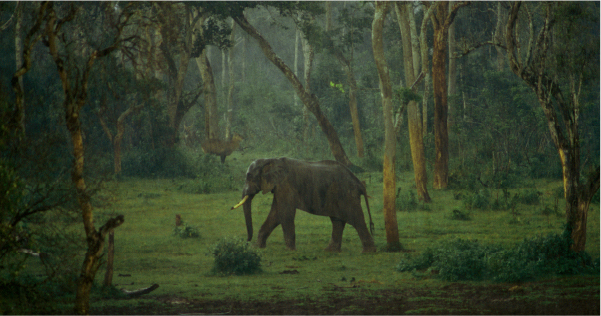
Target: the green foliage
(235, 256)
(460, 216)
(186, 231)
(408, 202)
(460, 259)
(479, 200)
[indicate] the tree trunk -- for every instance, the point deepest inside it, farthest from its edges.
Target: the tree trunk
(416, 138)
(350, 75)
(425, 65)
(439, 87)
(564, 133)
(354, 112)
(390, 220)
(308, 54)
(309, 100)
(441, 21)
(20, 115)
(108, 276)
(230, 93)
(210, 95)
(452, 80)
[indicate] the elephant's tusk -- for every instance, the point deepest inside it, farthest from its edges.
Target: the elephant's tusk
(241, 202)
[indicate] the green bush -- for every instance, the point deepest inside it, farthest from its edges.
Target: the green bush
(479, 200)
(459, 259)
(235, 256)
(409, 202)
(186, 231)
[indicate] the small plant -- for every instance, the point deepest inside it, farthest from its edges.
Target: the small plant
(235, 256)
(458, 215)
(186, 231)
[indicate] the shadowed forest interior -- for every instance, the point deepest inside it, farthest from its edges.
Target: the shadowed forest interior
(473, 125)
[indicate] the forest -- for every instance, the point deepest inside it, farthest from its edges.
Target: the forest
(127, 130)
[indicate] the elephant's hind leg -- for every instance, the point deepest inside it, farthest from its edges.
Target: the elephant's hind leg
(366, 239)
(337, 229)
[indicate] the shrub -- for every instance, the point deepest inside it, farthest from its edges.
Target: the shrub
(409, 202)
(235, 256)
(479, 200)
(460, 216)
(186, 231)
(469, 260)
(530, 197)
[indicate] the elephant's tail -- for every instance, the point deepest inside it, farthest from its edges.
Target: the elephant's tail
(371, 223)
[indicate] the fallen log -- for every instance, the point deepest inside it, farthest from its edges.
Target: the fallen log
(136, 293)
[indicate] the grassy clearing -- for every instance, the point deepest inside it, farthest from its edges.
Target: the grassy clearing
(147, 251)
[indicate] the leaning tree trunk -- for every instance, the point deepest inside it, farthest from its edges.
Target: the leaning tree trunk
(390, 220)
(309, 100)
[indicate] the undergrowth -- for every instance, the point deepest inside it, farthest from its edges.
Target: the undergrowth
(460, 259)
(235, 256)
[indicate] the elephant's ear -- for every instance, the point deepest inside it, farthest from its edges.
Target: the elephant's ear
(273, 173)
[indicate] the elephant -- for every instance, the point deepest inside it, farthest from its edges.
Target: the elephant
(326, 188)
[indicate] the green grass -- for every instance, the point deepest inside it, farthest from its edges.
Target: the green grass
(147, 249)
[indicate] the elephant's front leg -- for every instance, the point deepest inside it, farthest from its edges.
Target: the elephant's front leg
(268, 226)
(336, 241)
(286, 215)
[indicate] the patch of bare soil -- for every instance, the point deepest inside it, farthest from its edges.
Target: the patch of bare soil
(537, 298)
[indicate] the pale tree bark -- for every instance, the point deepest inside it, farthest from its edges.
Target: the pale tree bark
(75, 92)
(308, 55)
(350, 75)
(534, 71)
(309, 100)
(416, 139)
(230, 91)
(441, 20)
(296, 54)
(390, 220)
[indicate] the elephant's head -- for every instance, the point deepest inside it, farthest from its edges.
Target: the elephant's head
(262, 175)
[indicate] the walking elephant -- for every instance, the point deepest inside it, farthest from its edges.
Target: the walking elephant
(325, 188)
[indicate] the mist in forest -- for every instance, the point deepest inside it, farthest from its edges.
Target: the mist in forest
(462, 95)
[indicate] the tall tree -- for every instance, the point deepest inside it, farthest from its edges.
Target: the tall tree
(74, 77)
(176, 45)
(558, 63)
(348, 36)
(309, 100)
(441, 21)
(390, 220)
(411, 67)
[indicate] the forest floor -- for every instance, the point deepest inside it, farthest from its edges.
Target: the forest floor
(565, 296)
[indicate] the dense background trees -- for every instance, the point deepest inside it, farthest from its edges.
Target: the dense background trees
(136, 88)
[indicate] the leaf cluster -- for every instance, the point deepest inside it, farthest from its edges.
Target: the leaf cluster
(459, 259)
(235, 256)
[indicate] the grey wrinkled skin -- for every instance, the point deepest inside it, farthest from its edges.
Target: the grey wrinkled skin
(325, 188)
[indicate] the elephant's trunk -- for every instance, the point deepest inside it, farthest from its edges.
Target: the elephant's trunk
(248, 216)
